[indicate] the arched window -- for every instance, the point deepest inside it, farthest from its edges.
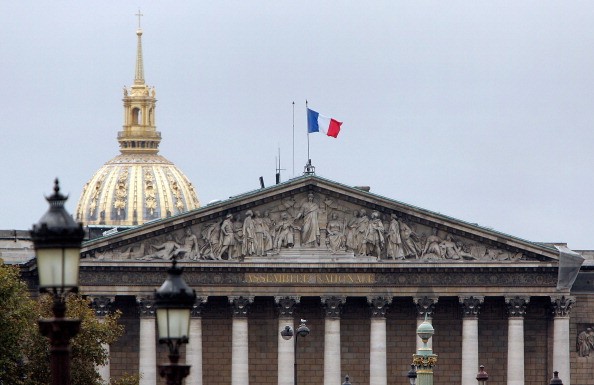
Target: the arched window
(136, 116)
(151, 117)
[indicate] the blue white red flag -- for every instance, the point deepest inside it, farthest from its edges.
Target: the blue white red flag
(317, 123)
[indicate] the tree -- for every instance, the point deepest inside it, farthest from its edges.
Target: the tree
(24, 353)
(18, 323)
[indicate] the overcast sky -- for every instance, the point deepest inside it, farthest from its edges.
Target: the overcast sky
(480, 110)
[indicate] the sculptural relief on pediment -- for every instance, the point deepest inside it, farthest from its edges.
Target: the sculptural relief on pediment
(311, 224)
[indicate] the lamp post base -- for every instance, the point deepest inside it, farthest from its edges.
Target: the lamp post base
(174, 373)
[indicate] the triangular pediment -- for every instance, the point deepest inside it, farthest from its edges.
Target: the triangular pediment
(311, 219)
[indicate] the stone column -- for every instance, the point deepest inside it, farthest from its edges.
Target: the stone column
(286, 348)
(239, 345)
(102, 307)
(516, 310)
(378, 359)
(470, 311)
(332, 371)
(561, 307)
(147, 354)
(194, 346)
(425, 308)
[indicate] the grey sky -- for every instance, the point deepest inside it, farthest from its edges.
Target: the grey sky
(478, 110)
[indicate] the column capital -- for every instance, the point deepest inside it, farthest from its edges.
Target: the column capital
(241, 305)
(102, 305)
(471, 306)
(332, 305)
(561, 305)
(379, 306)
(146, 306)
(286, 305)
(516, 306)
(198, 306)
(425, 306)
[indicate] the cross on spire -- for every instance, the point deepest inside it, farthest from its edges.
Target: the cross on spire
(139, 16)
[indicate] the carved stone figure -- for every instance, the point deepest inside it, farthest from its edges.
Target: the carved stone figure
(374, 237)
(249, 235)
(267, 228)
(189, 246)
(259, 228)
(409, 239)
(450, 249)
(212, 245)
(351, 232)
(131, 253)
(432, 249)
(284, 232)
(394, 242)
(310, 231)
(362, 225)
(585, 342)
(165, 250)
(227, 238)
(335, 234)
(234, 251)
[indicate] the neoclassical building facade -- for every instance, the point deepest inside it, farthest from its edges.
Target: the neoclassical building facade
(363, 271)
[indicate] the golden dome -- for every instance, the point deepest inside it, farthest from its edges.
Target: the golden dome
(139, 185)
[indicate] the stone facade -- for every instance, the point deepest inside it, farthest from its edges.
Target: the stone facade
(362, 270)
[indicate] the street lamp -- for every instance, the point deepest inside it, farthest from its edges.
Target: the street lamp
(173, 303)
(482, 377)
(287, 334)
(412, 374)
(57, 239)
(346, 380)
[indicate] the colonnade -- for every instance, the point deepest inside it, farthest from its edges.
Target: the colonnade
(471, 305)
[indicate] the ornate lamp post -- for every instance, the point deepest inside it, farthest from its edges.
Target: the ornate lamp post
(287, 334)
(173, 303)
(347, 380)
(556, 380)
(482, 377)
(425, 360)
(57, 239)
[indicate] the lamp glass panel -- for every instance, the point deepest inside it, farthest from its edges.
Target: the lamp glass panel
(173, 323)
(58, 267)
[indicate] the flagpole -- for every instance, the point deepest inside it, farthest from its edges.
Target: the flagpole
(307, 132)
(293, 139)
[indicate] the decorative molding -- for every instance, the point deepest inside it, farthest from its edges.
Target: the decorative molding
(241, 305)
(379, 306)
(146, 306)
(516, 306)
(98, 275)
(102, 305)
(561, 305)
(425, 306)
(333, 305)
(471, 306)
(286, 305)
(197, 307)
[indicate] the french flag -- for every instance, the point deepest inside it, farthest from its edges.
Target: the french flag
(317, 122)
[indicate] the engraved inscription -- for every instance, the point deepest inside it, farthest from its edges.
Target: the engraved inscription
(307, 278)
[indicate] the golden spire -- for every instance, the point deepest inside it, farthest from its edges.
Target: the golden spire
(140, 133)
(139, 76)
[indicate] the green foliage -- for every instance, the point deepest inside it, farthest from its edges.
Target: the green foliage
(24, 353)
(127, 379)
(18, 325)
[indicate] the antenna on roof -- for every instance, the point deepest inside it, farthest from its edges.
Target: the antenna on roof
(278, 168)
